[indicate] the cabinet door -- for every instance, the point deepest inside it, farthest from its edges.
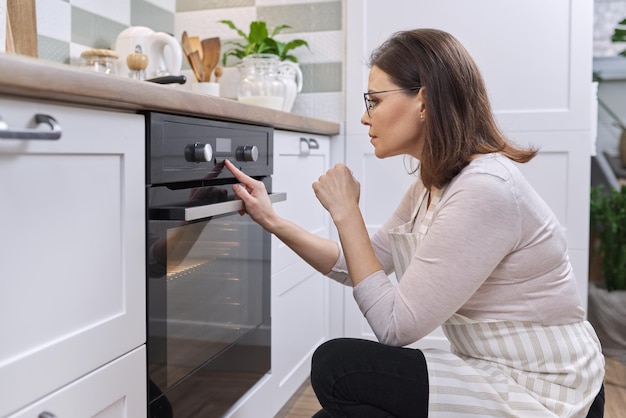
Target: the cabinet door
(115, 390)
(540, 88)
(299, 293)
(72, 288)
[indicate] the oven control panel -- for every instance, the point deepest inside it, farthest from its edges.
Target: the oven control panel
(182, 148)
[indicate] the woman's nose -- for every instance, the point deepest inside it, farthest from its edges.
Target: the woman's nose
(365, 118)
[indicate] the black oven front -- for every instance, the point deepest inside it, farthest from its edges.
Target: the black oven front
(208, 267)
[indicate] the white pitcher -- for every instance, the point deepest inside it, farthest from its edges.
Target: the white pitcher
(291, 75)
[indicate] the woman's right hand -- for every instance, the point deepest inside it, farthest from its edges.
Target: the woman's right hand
(254, 196)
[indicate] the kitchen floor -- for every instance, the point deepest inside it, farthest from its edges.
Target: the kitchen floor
(304, 403)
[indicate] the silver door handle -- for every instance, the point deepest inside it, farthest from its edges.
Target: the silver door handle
(201, 212)
(306, 145)
(53, 133)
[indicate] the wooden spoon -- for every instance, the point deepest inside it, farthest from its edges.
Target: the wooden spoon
(187, 49)
(196, 65)
(211, 48)
(218, 73)
(194, 41)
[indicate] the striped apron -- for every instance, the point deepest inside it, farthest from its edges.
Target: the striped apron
(504, 368)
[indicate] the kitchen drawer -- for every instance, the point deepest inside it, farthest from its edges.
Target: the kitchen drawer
(72, 251)
(115, 390)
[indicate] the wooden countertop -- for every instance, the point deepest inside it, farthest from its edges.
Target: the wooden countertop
(35, 78)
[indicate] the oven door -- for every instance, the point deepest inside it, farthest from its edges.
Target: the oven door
(208, 301)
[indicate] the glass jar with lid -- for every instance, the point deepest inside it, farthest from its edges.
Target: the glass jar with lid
(99, 60)
(259, 81)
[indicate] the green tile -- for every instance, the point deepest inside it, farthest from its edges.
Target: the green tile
(147, 14)
(93, 30)
(193, 5)
(53, 49)
(306, 17)
(321, 77)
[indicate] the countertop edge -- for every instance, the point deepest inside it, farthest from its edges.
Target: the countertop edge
(45, 80)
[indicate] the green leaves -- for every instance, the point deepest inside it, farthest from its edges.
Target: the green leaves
(608, 220)
(619, 35)
(258, 41)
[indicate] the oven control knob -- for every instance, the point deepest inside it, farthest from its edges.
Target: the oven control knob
(198, 153)
(247, 153)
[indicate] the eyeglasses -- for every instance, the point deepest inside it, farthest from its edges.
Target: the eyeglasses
(371, 103)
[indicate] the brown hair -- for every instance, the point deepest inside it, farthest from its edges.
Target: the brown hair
(459, 120)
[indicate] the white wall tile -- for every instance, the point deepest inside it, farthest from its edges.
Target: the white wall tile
(205, 23)
(54, 19)
(323, 46)
(326, 106)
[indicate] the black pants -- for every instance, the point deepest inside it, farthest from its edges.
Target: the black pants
(364, 379)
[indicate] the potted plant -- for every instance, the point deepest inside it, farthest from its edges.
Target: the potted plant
(607, 298)
(257, 43)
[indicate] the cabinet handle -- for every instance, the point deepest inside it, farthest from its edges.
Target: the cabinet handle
(46, 414)
(306, 145)
(54, 133)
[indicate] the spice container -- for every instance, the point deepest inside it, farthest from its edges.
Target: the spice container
(137, 63)
(99, 60)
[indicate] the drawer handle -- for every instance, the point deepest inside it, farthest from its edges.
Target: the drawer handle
(54, 133)
(306, 145)
(46, 414)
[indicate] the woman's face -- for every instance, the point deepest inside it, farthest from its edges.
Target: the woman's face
(395, 126)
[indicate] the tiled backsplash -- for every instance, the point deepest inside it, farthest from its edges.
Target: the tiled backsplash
(68, 27)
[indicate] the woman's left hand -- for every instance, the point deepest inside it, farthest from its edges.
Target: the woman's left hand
(338, 191)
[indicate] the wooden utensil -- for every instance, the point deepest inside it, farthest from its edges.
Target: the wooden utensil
(211, 48)
(196, 65)
(186, 44)
(196, 45)
(218, 73)
(22, 23)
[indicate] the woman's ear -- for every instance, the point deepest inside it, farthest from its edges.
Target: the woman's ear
(421, 103)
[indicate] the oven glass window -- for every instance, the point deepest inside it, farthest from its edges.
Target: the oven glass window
(208, 289)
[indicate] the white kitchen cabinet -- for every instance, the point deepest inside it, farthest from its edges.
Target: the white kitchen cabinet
(539, 81)
(72, 274)
(299, 293)
(117, 389)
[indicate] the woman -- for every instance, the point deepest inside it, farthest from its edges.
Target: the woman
(475, 250)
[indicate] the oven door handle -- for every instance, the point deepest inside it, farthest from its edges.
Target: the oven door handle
(201, 212)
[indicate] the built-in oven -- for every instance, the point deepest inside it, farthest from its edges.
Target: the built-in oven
(208, 267)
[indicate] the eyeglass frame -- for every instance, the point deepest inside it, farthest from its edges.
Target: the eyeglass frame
(368, 101)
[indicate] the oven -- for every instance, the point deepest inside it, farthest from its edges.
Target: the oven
(208, 267)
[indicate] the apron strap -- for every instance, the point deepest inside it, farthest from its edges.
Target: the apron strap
(435, 198)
